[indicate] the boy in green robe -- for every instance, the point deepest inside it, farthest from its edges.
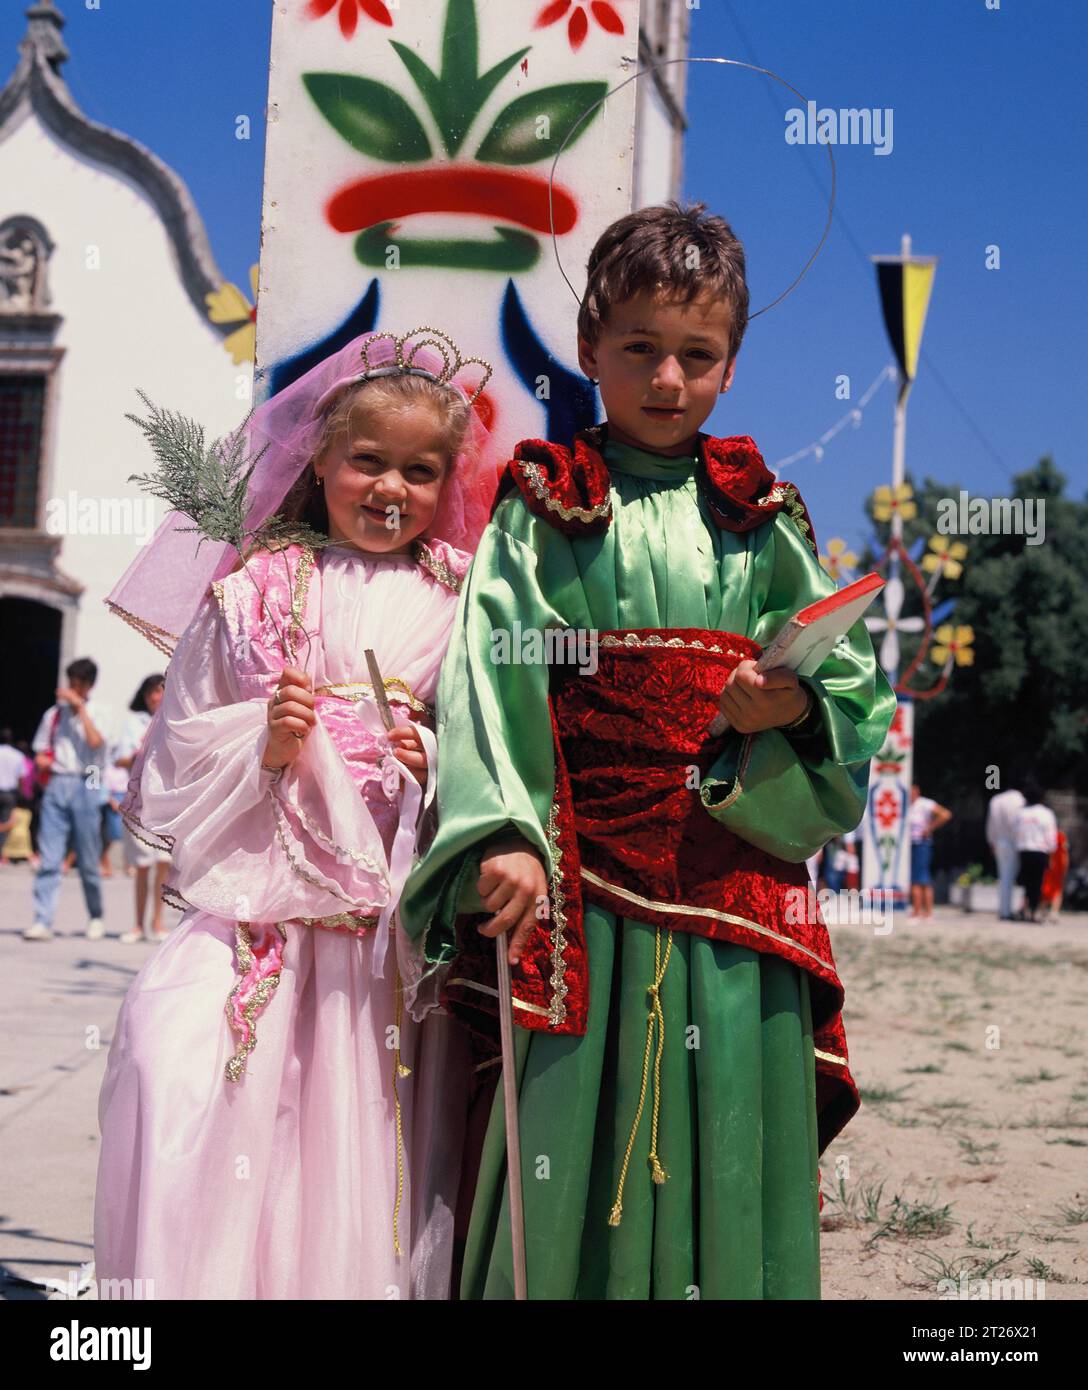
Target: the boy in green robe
(680, 1056)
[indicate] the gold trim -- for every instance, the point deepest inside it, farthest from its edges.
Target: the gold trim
(683, 910)
(830, 1057)
(243, 942)
(557, 1011)
(298, 599)
(337, 921)
(786, 495)
(155, 635)
(633, 640)
(536, 480)
(426, 558)
(172, 898)
(392, 684)
(333, 892)
(724, 804)
(217, 590)
(130, 823)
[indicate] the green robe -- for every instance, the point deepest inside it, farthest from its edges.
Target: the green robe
(737, 1216)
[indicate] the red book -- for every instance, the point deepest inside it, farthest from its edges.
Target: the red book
(805, 641)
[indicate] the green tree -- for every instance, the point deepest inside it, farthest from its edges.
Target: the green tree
(1023, 704)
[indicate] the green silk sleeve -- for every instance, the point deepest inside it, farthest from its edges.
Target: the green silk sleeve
(496, 768)
(789, 793)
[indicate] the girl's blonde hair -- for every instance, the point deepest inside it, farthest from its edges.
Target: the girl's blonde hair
(386, 395)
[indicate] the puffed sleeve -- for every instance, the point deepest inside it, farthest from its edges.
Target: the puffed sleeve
(245, 843)
(789, 793)
(496, 769)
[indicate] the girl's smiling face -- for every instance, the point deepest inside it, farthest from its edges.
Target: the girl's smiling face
(661, 367)
(382, 478)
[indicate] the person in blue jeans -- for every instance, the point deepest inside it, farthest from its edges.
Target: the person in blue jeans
(924, 817)
(71, 745)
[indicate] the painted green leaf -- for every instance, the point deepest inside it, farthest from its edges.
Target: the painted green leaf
(371, 117)
(519, 136)
(456, 96)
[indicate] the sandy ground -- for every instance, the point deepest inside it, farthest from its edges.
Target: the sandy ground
(966, 1038)
(970, 1152)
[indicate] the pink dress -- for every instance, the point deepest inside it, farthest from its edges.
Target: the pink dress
(263, 1134)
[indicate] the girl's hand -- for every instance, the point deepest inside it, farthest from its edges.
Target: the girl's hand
(754, 701)
(408, 749)
(511, 883)
(290, 718)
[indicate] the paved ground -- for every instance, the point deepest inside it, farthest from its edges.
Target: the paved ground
(967, 1156)
(58, 1003)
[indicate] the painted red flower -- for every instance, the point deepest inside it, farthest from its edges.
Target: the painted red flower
(887, 809)
(578, 25)
(349, 12)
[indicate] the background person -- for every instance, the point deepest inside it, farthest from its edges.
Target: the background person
(70, 742)
(1001, 837)
(138, 854)
(12, 771)
(925, 816)
(1037, 840)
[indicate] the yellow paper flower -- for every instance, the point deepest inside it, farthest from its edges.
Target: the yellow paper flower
(838, 558)
(953, 641)
(887, 500)
(228, 304)
(946, 556)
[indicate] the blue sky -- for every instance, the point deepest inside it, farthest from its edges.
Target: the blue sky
(988, 148)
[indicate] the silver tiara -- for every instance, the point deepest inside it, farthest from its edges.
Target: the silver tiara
(404, 365)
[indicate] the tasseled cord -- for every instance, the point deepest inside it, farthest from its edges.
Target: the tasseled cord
(657, 1171)
(399, 1071)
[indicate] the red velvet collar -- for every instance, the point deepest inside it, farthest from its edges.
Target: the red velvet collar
(569, 488)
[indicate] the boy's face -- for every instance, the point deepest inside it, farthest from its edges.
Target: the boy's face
(661, 367)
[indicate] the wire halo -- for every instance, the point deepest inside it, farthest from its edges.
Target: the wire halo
(669, 62)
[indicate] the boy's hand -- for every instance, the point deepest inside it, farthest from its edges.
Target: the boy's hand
(754, 701)
(511, 882)
(408, 749)
(290, 718)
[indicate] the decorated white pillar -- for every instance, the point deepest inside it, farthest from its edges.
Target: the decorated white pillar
(406, 183)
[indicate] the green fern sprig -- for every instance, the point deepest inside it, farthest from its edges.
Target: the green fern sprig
(209, 483)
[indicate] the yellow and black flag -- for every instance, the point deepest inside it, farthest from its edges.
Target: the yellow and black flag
(905, 284)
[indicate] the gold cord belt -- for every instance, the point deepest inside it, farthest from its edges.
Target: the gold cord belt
(395, 689)
(655, 1015)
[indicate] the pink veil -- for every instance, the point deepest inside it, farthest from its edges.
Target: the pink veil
(161, 591)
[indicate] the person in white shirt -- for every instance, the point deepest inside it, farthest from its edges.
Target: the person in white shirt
(138, 853)
(12, 768)
(924, 817)
(1001, 837)
(70, 746)
(1036, 835)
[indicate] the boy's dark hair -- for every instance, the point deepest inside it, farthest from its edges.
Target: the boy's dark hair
(682, 251)
(1032, 789)
(82, 669)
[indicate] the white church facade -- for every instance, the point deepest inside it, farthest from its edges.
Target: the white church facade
(104, 271)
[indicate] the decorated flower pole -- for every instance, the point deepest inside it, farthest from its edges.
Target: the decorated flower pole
(905, 283)
(406, 184)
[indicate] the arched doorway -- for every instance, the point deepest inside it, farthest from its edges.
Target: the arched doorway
(30, 642)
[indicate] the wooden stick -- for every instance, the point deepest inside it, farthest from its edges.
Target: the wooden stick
(510, 1101)
(379, 689)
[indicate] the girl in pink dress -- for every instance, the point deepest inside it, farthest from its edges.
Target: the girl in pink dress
(282, 1109)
